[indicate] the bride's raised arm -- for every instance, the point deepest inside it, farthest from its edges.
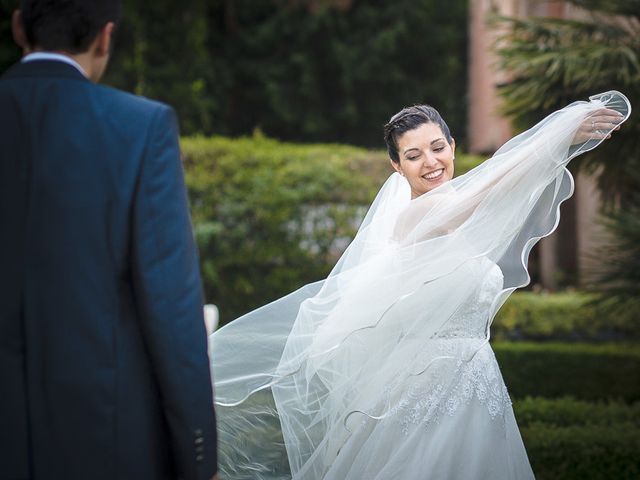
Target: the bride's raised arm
(497, 197)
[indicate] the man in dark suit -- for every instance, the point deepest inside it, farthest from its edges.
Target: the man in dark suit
(103, 356)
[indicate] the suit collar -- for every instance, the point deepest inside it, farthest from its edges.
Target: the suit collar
(44, 69)
(54, 56)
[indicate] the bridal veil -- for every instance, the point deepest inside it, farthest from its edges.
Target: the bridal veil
(301, 372)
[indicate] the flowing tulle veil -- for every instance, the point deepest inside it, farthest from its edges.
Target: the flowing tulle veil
(300, 373)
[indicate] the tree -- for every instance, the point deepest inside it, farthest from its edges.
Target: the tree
(553, 62)
(161, 52)
(336, 71)
(302, 70)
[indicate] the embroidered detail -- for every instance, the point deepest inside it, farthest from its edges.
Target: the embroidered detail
(448, 385)
(455, 367)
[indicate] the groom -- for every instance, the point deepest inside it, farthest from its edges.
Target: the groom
(103, 355)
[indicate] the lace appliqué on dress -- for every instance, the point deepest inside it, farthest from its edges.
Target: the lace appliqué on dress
(451, 384)
(457, 366)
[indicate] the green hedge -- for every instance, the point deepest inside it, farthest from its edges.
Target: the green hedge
(588, 372)
(584, 453)
(271, 216)
(568, 411)
(571, 439)
(570, 316)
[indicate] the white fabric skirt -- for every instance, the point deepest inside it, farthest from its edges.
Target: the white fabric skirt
(455, 423)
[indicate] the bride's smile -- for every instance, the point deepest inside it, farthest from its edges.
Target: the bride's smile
(425, 158)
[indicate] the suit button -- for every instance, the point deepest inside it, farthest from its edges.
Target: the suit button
(199, 458)
(198, 432)
(199, 441)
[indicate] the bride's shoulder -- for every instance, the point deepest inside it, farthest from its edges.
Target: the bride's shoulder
(423, 207)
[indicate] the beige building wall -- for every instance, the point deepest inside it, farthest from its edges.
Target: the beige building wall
(487, 128)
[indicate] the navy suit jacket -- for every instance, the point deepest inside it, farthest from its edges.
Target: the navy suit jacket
(104, 371)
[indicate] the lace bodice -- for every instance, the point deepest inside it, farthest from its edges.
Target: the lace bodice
(457, 365)
(471, 320)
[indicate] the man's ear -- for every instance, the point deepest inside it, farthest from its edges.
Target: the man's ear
(103, 45)
(17, 28)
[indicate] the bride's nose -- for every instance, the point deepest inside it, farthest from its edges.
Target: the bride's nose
(430, 160)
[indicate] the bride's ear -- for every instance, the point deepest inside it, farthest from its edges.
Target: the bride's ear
(396, 166)
(453, 147)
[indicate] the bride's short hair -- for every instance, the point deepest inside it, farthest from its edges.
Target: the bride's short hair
(407, 119)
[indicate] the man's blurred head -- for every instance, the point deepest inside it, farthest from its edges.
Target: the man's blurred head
(69, 26)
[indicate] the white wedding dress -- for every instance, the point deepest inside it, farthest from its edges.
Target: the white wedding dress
(384, 370)
(455, 420)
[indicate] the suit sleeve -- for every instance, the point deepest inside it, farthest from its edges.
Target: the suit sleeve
(169, 296)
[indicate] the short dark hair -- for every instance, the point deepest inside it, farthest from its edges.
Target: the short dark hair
(407, 119)
(67, 25)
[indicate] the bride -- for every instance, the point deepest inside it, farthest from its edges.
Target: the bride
(384, 370)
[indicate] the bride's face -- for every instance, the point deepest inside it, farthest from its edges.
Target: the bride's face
(426, 158)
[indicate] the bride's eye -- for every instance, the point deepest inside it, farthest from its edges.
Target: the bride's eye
(438, 149)
(414, 157)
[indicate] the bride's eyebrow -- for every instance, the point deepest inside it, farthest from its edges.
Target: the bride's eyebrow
(416, 148)
(409, 149)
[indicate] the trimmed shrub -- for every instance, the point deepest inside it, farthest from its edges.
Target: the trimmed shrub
(534, 316)
(588, 372)
(571, 439)
(567, 411)
(584, 453)
(567, 316)
(271, 216)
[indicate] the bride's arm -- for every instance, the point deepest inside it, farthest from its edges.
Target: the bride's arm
(532, 159)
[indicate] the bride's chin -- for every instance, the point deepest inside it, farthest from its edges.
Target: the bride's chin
(431, 184)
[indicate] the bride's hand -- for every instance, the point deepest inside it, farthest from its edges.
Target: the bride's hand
(598, 125)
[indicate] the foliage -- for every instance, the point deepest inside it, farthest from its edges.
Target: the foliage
(552, 62)
(161, 51)
(297, 73)
(572, 439)
(568, 411)
(583, 453)
(587, 372)
(567, 316)
(335, 74)
(618, 280)
(9, 52)
(272, 216)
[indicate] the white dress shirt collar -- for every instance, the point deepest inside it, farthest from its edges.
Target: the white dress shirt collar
(53, 56)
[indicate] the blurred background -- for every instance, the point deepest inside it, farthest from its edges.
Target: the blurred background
(281, 105)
